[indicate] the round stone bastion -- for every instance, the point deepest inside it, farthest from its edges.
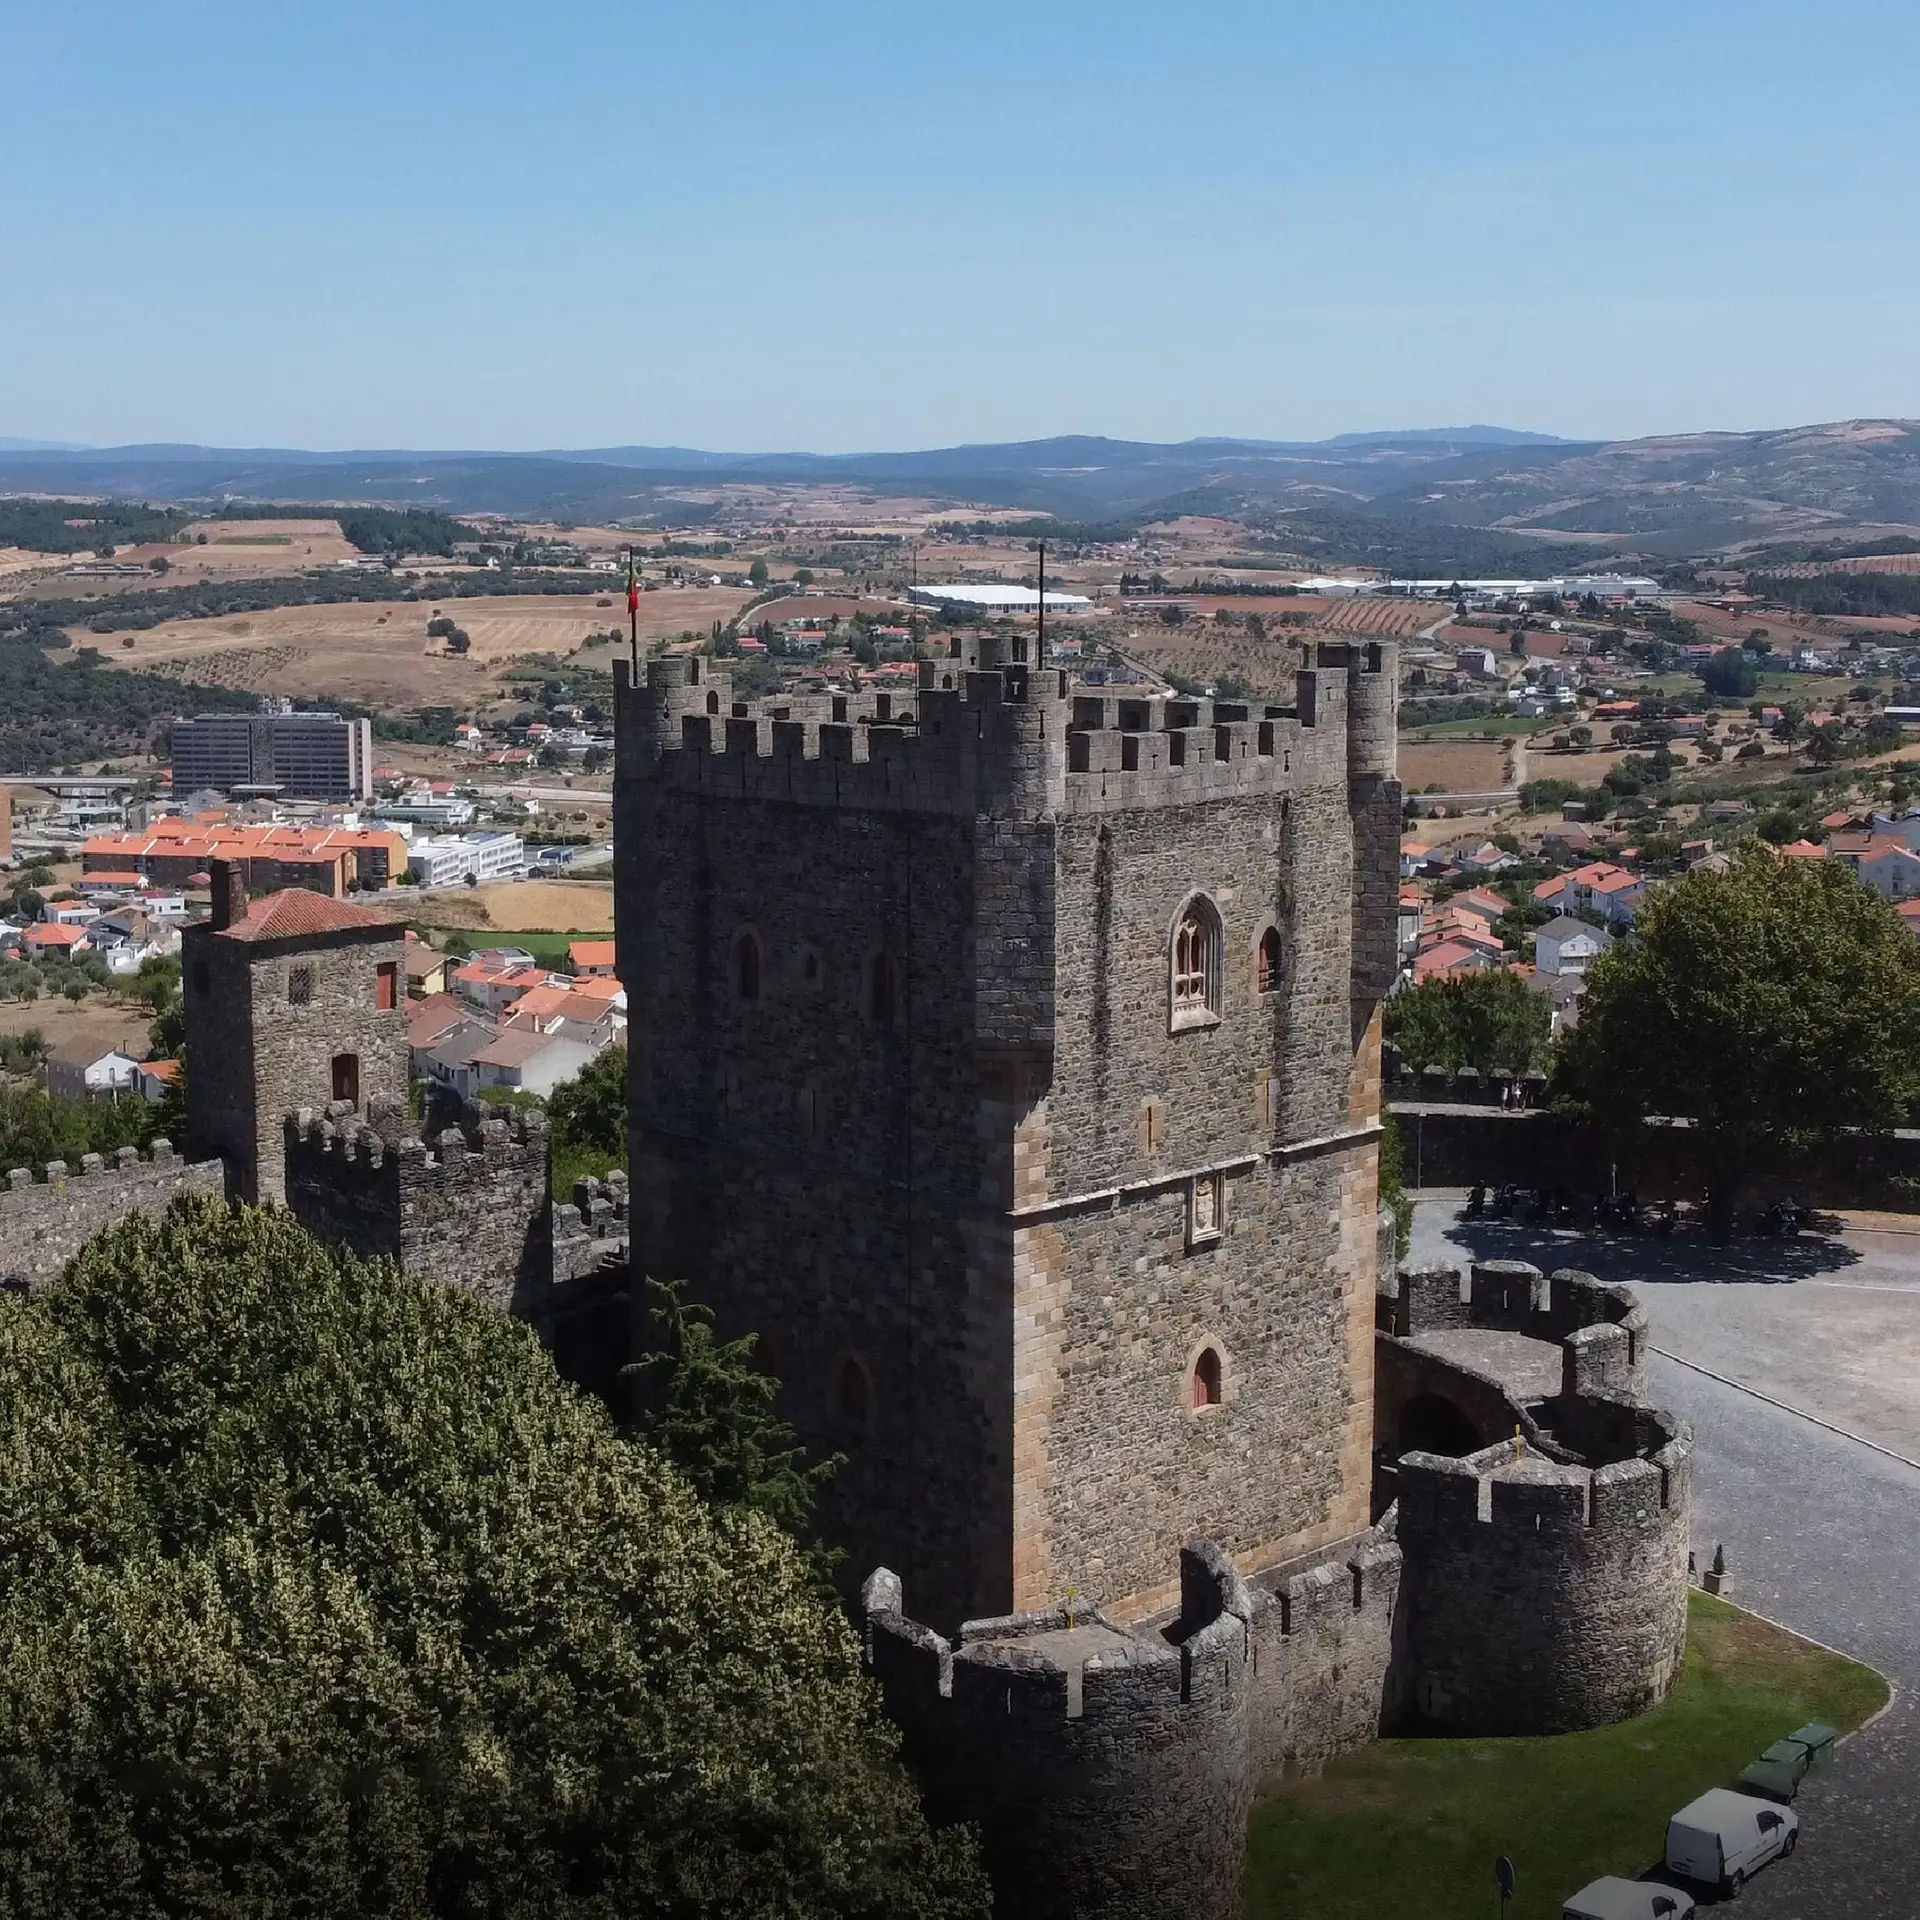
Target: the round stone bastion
(1542, 1595)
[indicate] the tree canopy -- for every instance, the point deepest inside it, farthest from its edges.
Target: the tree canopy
(1779, 1000)
(319, 1593)
(1491, 1021)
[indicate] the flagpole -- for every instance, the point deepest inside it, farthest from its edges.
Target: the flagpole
(633, 617)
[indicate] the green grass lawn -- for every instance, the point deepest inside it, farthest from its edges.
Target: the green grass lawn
(549, 949)
(1412, 1827)
(1499, 724)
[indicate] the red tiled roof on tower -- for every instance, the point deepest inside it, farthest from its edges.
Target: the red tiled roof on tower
(297, 911)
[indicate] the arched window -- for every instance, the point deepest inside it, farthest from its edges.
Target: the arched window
(746, 968)
(853, 1394)
(1195, 984)
(883, 994)
(1206, 1381)
(1266, 966)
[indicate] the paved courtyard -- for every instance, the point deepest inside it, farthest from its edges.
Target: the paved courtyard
(1799, 1366)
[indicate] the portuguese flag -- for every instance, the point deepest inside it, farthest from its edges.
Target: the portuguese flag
(633, 585)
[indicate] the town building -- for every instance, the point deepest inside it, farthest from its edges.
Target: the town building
(314, 756)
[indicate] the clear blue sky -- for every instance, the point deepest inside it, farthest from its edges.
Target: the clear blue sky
(849, 224)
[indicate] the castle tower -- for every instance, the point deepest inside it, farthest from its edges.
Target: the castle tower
(292, 1001)
(1009, 1065)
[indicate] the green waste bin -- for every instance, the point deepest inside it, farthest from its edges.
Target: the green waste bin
(1818, 1741)
(1769, 1780)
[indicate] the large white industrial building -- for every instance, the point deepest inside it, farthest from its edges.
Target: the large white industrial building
(990, 598)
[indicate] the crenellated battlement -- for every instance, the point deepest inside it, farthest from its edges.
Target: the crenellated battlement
(47, 1216)
(466, 1206)
(1544, 1596)
(1600, 1325)
(1090, 1754)
(984, 733)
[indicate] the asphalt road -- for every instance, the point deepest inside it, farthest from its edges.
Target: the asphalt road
(1821, 1527)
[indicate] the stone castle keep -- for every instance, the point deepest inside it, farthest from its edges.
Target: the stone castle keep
(1007, 1059)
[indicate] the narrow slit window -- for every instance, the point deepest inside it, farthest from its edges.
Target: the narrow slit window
(1267, 968)
(1206, 1382)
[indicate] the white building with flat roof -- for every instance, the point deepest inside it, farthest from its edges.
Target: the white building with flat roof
(990, 598)
(466, 860)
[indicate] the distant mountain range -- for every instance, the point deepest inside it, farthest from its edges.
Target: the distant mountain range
(1519, 495)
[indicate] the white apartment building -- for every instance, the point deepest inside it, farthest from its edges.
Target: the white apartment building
(466, 859)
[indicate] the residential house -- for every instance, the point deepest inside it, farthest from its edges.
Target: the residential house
(1567, 945)
(1904, 827)
(1569, 842)
(1889, 868)
(1487, 858)
(153, 1080)
(1414, 856)
(1483, 903)
(426, 968)
(589, 958)
(1909, 911)
(87, 1070)
(47, 940)
(494, 989)
(1413, 913)
(1611, 892)
(1551, 893)
(529, 1062)
(1449, 957)
(449, 1061)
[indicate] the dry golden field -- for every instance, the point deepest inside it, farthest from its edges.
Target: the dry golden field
(1454, 766)
(516, 906)
(378, 653)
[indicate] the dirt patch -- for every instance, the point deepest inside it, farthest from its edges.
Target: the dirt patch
(1454, 766)
(516, 906)
(100, 1020)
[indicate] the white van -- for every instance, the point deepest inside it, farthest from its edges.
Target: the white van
(1722, 1839)
(1616, 1899)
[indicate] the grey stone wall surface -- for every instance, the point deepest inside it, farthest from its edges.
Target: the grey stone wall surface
(45, 1219)
(1542, 1597)
(1323, 1670)
(1604, 1319)
(1108, 1772)
(467, 1209)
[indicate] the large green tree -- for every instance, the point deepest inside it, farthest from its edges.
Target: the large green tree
(1773, 1004)
(321, 1594)
(1491, 1020)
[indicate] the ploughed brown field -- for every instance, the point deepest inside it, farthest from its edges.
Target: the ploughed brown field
(378, 653)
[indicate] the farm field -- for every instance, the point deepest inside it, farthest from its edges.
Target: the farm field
(1453, 766)
(100, 1020)
(514, 906)
(378, 654)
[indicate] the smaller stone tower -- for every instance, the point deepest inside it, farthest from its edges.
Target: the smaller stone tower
(292, 1001)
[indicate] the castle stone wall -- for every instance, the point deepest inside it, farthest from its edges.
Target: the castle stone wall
(1324, 1682)
(468, 1209)
(1542, 1597)
(1603, 1320)
(45, 1219)
(1108, 1772)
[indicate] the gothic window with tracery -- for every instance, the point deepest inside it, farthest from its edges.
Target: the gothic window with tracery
(1196, 964)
